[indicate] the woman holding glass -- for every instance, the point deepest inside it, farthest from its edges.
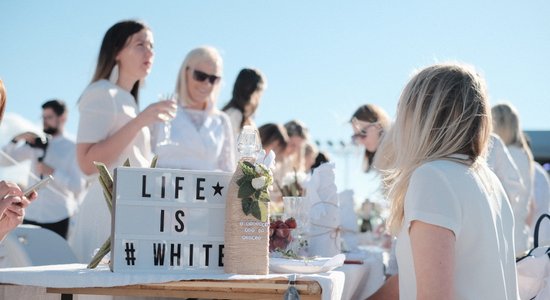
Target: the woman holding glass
(111, 127)
(201, 135)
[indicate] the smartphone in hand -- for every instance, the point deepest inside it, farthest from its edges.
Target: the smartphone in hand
(35, 187)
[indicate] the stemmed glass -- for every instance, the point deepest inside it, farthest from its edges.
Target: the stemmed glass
(168, 120)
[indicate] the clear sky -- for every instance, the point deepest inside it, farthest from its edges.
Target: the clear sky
(322, 59)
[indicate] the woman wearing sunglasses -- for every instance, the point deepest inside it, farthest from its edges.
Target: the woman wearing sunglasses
(369, 123)
(112, 128)
(202, 137)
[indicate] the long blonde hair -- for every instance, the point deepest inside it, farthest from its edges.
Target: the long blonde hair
(194, 57)
(507, 126)
(3, 98)
(443, 110)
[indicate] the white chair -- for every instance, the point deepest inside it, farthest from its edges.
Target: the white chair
(30, 245)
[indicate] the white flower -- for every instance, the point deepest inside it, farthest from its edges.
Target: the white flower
(258, 182)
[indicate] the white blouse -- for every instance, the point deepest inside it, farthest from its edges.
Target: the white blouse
(472, 204)
(105, 108)
(204, 141)
(236, 117)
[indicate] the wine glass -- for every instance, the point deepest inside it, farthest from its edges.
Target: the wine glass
(168, 120)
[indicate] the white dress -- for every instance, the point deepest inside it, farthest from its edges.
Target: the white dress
(104, 108)
(236, 117)
(473, 205)
(521, 209)
(204, 142)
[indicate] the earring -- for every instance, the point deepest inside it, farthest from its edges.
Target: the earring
(114, 74)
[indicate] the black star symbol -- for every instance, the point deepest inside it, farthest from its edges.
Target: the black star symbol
(217, 189)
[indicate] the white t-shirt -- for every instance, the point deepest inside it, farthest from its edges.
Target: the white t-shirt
(472, 204)
(105, 108)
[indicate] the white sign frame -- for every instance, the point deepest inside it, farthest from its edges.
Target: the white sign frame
(168, 220)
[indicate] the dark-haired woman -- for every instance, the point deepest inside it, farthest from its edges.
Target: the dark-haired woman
(112, 128)
(247, 92)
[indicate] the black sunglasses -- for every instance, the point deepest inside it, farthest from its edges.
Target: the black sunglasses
(201, 76)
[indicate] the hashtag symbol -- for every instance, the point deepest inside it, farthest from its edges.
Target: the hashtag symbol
(130, 250)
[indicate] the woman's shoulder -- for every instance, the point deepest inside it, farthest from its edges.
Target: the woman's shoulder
(439, 168)
(101, 92)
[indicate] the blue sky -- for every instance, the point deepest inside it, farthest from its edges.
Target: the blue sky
(322, 59)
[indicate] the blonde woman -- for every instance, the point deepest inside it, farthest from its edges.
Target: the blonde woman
(506, 125)
(202, 133)
(453, 222)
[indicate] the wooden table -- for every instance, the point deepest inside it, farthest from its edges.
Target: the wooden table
(214, 289)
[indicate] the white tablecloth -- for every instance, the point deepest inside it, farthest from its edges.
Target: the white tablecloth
(346, 282)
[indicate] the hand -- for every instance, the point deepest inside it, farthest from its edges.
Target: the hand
(44, 169)
(13, 213)
(157, 112)
(9, 188)
(28, 136)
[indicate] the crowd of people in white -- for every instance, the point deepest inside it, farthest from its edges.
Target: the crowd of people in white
(462, 186)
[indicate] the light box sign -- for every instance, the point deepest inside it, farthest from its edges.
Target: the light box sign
(167, 220)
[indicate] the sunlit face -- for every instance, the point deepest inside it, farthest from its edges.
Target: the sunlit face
(50, 121)
(200, 87)
(136, 58)
(294, 145)
(251, 107)
(367, 134)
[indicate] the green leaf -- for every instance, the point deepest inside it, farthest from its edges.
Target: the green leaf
(248, 168)
(264, 197)
(246, 190)
(261, 208)
(256, 211)
(248, 164)
(247, 205)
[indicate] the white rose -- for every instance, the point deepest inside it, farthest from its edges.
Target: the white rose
(258, 182)
(258, 169)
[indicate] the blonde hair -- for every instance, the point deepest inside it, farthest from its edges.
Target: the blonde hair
(443, 110)
(3, 98)
(507, 126)
(201, 54)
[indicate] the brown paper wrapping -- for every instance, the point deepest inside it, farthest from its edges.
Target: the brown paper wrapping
(246, 249)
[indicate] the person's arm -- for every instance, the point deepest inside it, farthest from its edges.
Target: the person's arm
(433, 256)
(17, 151)
(108, 150)
(388, 291)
